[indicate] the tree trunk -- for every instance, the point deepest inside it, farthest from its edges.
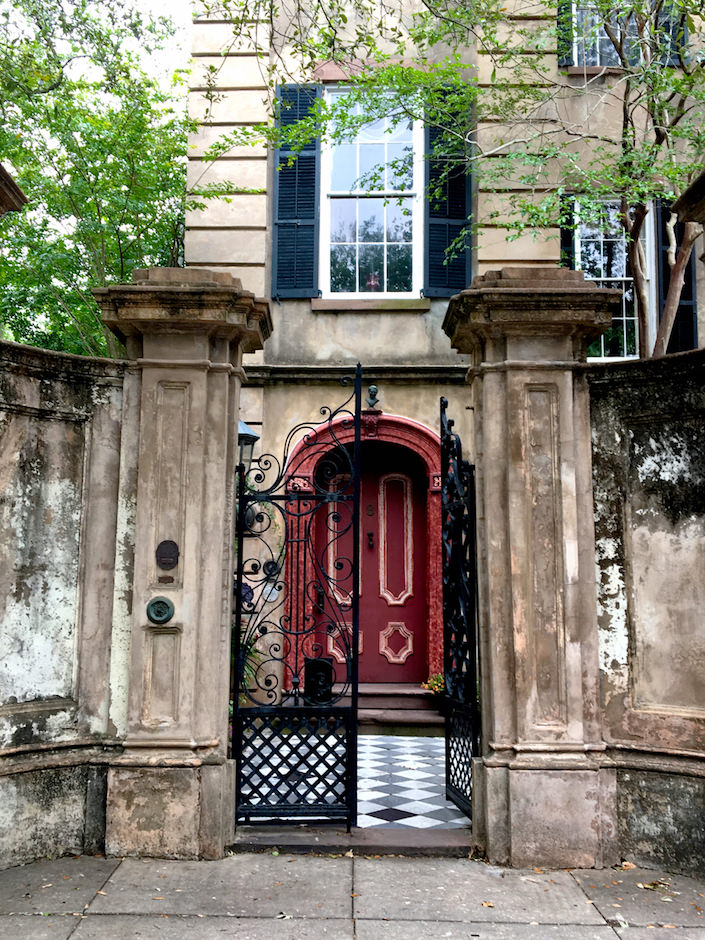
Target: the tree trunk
(675, 288)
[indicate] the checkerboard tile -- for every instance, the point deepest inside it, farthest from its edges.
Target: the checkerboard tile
(401, 782)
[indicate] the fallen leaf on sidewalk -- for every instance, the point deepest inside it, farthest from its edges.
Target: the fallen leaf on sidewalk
(100, 892)
(282, 916)
(627, 866)
(159, 899)
(487, 904)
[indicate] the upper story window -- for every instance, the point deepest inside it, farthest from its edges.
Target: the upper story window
(591, 44)
(372, 210)
(353, 220)
(584, 40)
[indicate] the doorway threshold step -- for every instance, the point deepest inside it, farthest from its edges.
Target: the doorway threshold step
(398, 716)
(308, 838)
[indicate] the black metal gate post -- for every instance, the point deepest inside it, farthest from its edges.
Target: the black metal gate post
(295, 633)
(461, 661)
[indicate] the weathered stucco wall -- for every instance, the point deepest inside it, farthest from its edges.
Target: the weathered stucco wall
(61, 526)
(649, 478)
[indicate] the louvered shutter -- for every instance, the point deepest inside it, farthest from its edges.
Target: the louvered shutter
(296, 200)
(684, 334)
(447, 209)
(568, 232)
(564, 33)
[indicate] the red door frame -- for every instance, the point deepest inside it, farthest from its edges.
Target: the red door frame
(414, 436)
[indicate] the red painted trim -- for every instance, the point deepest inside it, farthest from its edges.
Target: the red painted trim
(414, 436)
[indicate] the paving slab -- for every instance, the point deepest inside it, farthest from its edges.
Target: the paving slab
(37, 926)
(239, 886)
(659, 933)
(178, 927)
(468, 891)
(57, 886)
(639, 897)
(423, 929)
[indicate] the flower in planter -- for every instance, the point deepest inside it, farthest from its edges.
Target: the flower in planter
(435, 684)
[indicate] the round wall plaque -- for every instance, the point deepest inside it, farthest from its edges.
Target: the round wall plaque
(160, 610)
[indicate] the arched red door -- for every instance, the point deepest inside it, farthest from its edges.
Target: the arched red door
(393, 571)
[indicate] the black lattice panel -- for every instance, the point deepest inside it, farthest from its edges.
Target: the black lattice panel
(295, 762)
(459, 754)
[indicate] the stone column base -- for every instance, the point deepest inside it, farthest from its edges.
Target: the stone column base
(545, 817)
(171, 812)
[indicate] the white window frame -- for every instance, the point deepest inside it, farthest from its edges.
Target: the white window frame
(580, 47)
(648, 238)
(416, 195)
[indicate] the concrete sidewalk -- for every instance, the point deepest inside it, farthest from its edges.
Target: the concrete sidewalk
(297, 897)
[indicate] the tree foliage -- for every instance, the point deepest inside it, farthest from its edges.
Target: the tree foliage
(99, 148)
(629, 128)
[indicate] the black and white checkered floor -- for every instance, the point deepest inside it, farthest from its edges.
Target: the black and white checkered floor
(401, 782)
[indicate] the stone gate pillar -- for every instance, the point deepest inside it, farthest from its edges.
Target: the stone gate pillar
(171, 792)
(541, 793)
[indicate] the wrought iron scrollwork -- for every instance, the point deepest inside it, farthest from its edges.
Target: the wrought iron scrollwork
(296, 609)
(459, 613)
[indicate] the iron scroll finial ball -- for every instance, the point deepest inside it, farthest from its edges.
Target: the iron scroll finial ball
(372, 398)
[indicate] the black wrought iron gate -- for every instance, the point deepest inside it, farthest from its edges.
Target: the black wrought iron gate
(459, 615)
(295, 643)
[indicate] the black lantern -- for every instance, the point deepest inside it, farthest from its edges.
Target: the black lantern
(246, 439)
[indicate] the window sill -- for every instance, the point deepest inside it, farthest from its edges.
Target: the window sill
(591, 71)
(377, 305)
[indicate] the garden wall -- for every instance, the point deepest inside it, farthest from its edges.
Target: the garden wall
(65, 527)
(648, 426)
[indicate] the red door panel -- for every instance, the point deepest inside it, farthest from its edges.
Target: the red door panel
(393, 604)
(393, 590)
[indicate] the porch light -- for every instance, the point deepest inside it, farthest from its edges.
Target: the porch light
(246, 439)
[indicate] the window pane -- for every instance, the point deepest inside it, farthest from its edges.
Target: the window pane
(371, 225)
(344, 169)
(399, 132)
(342, 220)
(399, 268)
(371, 167)
(595, 347)
(374, 131)
(400, 169)
(399, 221)
(342, 269)
(614, 339)
(614, 258)
(591, 258)
(631, 349)
(371, 268)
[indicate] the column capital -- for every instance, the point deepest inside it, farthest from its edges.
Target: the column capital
(547, 303)
(185, 300)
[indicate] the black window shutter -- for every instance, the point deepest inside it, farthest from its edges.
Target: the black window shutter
(568, 232)
(448, 202)
(684, 334)
(296, 199)
(564, 33)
